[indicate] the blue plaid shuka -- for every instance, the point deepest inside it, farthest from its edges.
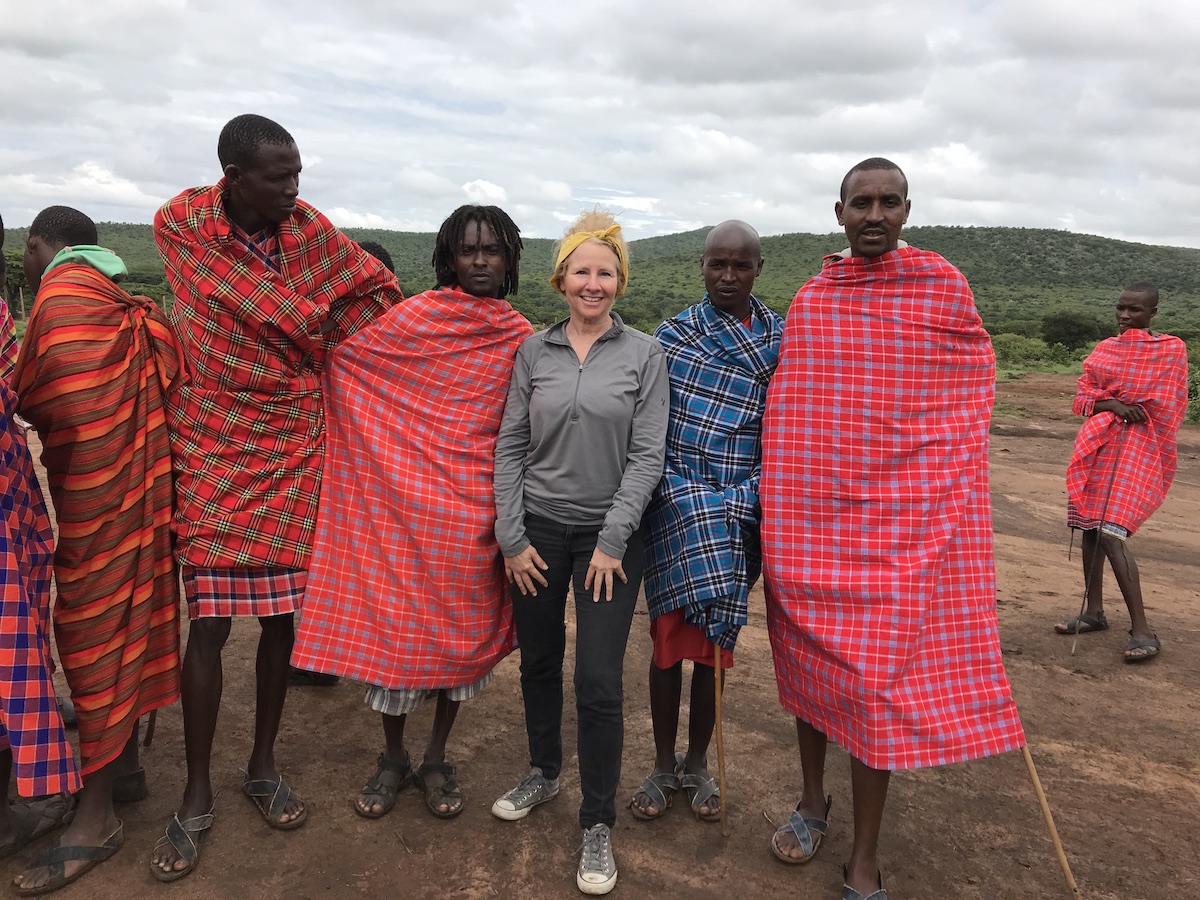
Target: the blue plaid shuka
(703, 552)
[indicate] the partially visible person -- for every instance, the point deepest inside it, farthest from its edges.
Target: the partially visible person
(406, 589)
(1134, 393)
(264, 288)
(94, 375)
(298, 677)
(33, 745)
(877, 541)
(580, 452)
(702, 525)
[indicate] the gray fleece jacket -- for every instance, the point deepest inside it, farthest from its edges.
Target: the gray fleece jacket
(582, 445)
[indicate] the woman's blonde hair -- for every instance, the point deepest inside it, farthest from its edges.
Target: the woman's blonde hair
(599, 225)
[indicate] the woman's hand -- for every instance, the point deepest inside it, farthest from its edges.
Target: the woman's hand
(525, 569)
(600, 574)
(1129, 413)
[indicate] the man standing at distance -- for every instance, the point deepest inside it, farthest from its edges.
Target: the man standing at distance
(1134, 392)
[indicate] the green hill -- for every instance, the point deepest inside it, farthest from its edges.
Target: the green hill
(1018, 274)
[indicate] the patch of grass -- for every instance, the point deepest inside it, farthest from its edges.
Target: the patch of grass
(1005, 410)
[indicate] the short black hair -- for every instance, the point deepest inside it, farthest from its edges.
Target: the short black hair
(875, 162)
(63, 226)
(243, 135)
(1143, 287)
(377, 251)
(450, 238)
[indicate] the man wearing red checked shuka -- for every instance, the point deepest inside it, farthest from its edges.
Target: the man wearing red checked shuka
(265, 287)
(1134, 392)
(877, 528)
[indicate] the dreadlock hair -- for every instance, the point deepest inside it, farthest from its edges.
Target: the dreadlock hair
(243, 135)
(61, 226)
(377, 251)
(450, 238)
(875, 162)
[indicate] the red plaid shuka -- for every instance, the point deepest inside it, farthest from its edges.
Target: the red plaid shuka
(877, 538)
(1139, 369)
(247, 426)
(406, 588)
(30, 723)
(94, 374)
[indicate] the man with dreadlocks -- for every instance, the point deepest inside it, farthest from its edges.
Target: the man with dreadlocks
(264, 288)
(406, 588)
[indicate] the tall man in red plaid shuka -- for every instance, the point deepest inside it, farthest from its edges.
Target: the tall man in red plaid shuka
(877, 540)
(264, 288)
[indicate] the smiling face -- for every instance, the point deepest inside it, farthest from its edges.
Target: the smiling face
(874, 211)
(1135, 310)
(590, 283)
(263, 190)
(479, 265)
(732, 260)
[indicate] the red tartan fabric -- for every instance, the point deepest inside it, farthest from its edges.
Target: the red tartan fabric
(247, 427)
(1139, 369)
(406, 588)
(877, 541)
(226, 593)
(94, 373)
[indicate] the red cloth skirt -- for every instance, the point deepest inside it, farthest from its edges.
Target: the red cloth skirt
(675, 640)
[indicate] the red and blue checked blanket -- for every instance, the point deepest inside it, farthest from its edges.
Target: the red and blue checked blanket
(1139, 369)
(247, 429)
(877, 529)
(406, 587)
(30, 723)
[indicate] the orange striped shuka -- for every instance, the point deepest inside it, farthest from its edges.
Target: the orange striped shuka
(92, 376)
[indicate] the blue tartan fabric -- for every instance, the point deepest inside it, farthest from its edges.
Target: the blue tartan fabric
(703, 553)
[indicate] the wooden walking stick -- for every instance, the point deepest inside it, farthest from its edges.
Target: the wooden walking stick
(717, 685)
(1049, 817)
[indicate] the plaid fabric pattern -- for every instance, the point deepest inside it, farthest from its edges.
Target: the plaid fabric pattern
(30, 723)
(8, 343)
(401, 703)
(247, 426)
(877, 540)
(222, 593)
(94, 372)
(406, 588)
(702, 552)
(1140, 369)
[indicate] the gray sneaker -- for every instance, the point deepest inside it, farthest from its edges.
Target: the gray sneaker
(597, 866)
(535, 788)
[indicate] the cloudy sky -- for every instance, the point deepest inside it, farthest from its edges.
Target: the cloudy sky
(672, 113)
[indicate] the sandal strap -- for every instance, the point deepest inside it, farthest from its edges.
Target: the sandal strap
(437, 768)
(279, 793)
(657, 784)
(390, 765)
(180, 836)
(701, 789)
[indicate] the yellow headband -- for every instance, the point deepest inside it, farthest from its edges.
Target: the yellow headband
(572, 242)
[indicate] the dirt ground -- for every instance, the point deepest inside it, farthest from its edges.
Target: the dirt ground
(1114, 744)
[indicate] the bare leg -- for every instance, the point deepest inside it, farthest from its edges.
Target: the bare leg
(1093, 571)
(6, 761)
(1125, 569)
(702, 721)
(812, 765)
(274, 652)
(870, 794)
(94, 822)
(435, 750)
(202, 684)
(665, 687)
(393, 737)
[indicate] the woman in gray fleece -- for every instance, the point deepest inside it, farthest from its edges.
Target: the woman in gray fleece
(580, 451)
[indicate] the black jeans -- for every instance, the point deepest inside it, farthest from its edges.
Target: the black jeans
(601, 632)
